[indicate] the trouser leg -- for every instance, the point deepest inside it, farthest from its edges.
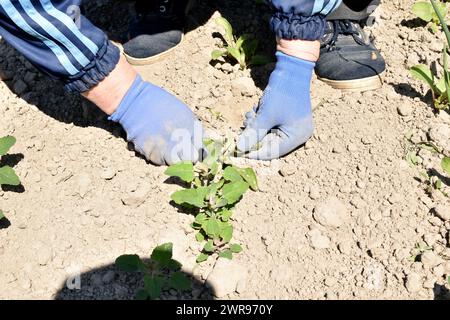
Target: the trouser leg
(301, 19)
(354, 10)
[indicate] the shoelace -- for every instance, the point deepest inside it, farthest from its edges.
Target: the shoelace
(345, 27)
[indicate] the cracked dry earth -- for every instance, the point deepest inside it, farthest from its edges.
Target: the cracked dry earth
(340, 218)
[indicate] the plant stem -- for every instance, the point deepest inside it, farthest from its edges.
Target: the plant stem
(442, 21)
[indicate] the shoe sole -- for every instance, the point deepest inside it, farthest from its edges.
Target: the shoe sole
(152, 59)
(357, 85)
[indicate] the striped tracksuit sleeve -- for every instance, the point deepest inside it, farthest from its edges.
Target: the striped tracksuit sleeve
(58, 40)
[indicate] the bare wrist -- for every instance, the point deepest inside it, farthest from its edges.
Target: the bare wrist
(302, 49)
(108, 94)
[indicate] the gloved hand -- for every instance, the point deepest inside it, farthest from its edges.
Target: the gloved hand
(284, 111)
(160, 126)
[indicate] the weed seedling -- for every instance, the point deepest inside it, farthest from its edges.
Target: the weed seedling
(445, 165)
(242, 49)
(431, 181)
(425, 11)
(213, 188)
(418, 251)
(440, 88)
(7, 174)
(160, 273)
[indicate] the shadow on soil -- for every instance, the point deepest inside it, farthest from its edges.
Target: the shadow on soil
(4, 223)
(109, 283)
(413, 23)
(441, 292)
(406, 90)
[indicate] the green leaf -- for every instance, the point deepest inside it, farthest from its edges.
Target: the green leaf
(225, 215)
(200, 237)
(440, 14)
(231, 174)
(209, 246)
(197, 182)
(411, 158)
(183, 170)
(228, 29)
(216, 54)
(162, 254)
(202, 257)
(233, 191)
(142, 294)
(179, 281)
(2, 216)
(227, 254)
(249, 176)
(429, 146)
(194, 197)
(439, 9)
(174, 265)
(440, 85)
(445, 164)
(438, 184)
(422, 72)
(423, 10)
(212, 228)
(213, 149)
(215, 168)
(153, 285)
(221, 202)
(446, 74)
(130, 263)
(235, 53)
(242, 59)
(8, 176)
(240, 41)
(235, 248)
(214, 187)
(6, 143)
(226, 233)
(201, 218)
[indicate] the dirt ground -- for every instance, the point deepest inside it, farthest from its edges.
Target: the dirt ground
(338, 219)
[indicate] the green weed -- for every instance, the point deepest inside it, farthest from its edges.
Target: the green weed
(440, 88)
(7, 174)
(213, 188)
(160, 272)
(425, 11)
(242, 49)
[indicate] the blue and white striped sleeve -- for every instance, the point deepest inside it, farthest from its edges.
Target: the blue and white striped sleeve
(58, 40)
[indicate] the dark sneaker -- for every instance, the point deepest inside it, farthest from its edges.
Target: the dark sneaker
(348, 59)
(157, 30)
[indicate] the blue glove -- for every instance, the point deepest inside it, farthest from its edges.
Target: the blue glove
(160, 126)
(283, 120)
